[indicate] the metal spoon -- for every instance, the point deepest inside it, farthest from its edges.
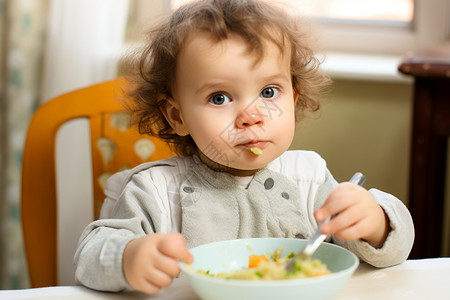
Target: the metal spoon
(317, 239)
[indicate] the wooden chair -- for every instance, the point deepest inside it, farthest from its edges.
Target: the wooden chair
(430, 68)
(114, 146)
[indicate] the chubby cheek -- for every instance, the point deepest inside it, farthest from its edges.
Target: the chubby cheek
(215, 141)
(285, 126)
(208, 136)
(208, 143)
(287, 132)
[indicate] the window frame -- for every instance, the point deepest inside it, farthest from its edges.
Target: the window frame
(431, 26)
(360, 52)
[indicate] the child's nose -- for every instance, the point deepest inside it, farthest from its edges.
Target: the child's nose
(249, 118)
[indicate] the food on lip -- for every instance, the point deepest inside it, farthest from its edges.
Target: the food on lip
(256, 150)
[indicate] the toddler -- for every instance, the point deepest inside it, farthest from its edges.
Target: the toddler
(224, 82)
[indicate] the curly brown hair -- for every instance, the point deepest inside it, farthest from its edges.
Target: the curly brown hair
(256, 21)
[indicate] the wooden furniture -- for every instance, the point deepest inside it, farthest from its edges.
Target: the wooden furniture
(114, 146)
(431, 128)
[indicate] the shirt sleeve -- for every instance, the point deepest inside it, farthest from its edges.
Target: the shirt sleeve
(98, 259)
(138, 204)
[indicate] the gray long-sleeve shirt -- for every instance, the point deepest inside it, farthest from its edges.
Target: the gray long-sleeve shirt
(184, 195)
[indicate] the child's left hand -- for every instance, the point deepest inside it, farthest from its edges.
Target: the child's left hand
(355, 215)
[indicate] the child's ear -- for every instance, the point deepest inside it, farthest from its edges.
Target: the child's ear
(173, 115)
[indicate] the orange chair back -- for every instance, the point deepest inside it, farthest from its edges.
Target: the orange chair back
(114, 146)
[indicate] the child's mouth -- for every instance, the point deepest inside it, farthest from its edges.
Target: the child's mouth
(256, 147)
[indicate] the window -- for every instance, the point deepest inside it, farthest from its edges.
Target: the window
(378, 26)
(393, 12)
(375, 26)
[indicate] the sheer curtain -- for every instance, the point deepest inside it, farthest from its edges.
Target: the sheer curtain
(83, 44)
(78, 43)
(85, 40)
(22, 31)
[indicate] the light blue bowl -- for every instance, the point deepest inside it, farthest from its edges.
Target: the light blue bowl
(233, 255)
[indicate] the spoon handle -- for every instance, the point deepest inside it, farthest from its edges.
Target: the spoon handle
(358, 179)
(317, 239)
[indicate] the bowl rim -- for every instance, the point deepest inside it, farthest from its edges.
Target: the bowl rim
(283, 282)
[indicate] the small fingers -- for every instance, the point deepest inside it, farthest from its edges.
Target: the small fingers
(169, 265)
(335, 204)
(158, 278)
(145, 284)
(151, 262)
(321, 214)
(175, 246)
(146, 287)
(344, 220)
(353, 232)
(153, 282)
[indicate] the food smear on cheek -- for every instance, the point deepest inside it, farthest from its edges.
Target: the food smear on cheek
(256, 150)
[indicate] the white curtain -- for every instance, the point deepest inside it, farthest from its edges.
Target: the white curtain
(85, 41)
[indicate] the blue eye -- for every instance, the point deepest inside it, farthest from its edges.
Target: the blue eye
(269, 92)
(219, 99)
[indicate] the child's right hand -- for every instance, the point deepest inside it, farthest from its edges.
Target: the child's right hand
(151, 262)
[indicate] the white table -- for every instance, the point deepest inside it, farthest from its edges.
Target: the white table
(414, 279)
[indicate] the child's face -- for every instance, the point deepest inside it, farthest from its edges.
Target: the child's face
(229, 104)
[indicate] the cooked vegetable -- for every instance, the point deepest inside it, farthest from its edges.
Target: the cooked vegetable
(255, 260)
(261, 268)
(256, 150)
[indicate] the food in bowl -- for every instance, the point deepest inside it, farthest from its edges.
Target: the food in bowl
(232, 255)
(262, 268)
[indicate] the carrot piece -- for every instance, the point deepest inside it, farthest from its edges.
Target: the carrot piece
(254, 260)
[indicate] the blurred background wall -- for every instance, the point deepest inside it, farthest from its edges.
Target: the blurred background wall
(363, 126)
